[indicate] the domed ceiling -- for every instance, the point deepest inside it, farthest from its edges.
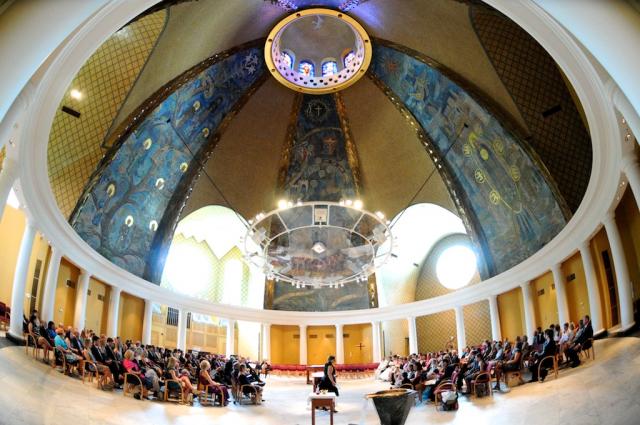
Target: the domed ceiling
(452, 111)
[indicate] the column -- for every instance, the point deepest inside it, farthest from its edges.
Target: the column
(462, 338)
(266, 341)
(625, 299)
(8, 176)
(496, 333)
(595, 305)
(182, 330)
(51, 282)
(148, 322)
(20, 280)
(631, 170)
(114, 312)
(303, 344)
(529, 313)
(80, 310)
(231, 337)
(375, 340)
(561, 294)
(340, 344)
(413, 335)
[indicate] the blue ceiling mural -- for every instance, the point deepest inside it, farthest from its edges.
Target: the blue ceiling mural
(344, 5)
(129, 201)
(318, 164)
(508, 199)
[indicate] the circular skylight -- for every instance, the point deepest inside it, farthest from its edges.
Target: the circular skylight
(456, 266)
(318, 51)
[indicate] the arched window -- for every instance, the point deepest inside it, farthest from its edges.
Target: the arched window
(329, 68)
(348, 59)
(287, 58)
(307, 69)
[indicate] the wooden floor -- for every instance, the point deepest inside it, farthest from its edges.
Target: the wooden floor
(601, 392)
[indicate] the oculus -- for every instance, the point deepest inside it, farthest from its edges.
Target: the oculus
(318, 51)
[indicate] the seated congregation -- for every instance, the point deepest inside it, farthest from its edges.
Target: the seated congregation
(473, 370)
(146, 371)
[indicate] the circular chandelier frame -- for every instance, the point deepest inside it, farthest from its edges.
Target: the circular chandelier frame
(344, 216)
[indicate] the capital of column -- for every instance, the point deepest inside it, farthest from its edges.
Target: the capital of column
(9, 166)
(585, 246)
(609, 218)
(630, 162)
(525, 286)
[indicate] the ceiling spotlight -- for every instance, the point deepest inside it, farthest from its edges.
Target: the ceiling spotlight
(282, 204)
(348, 202)
(75, 94)
(357, 204)
(380, 215)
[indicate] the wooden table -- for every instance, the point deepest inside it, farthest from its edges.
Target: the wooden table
(313, 368)
(322, 400)
(317, 377)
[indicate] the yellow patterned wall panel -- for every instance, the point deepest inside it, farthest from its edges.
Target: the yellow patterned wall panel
(477, 322)
(75, 144)
(3, 153)
(436, 330)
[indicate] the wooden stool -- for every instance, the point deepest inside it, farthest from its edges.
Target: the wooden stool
(322, 400)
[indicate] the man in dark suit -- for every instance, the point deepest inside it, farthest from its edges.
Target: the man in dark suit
(581, 342)
(548, 349)
(99, 354)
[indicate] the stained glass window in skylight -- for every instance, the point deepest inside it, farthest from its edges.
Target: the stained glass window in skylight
(307, 69)
(348, 59)
(329, 68)
(287, 59)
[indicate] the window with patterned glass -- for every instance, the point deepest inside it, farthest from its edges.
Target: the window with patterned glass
(329, 68)
(287, 59)
(307, 69)
(348, 59)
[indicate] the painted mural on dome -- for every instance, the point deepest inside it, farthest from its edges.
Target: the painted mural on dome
(506, 192)
(125, 200)
(318, 167)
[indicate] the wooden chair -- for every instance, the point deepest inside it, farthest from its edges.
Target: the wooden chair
(442, 387)
(589, 353)
(554, 358)
(31, 342)
(5, 313)
(483, 378)
(131, 381)
(91, 374)
(239, 395)
(169, 395)
(514, 374)
(209, 398)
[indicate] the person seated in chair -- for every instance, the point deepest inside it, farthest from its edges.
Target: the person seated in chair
(548, 349)
(171, 372)
(204, 378)
(582, 341)
(243, 380)
(477, 367)
(512, 364)
(132, 367)
(61, 343)
(99, 356)
(40, 334)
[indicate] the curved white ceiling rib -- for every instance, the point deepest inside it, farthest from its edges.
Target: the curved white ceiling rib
(43, 210)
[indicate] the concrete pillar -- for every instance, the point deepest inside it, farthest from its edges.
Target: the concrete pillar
(625, 298)
(80, 311)
(462, 338)
(303, 344)
(595, 305)
(8, 176)
(496, 333)
(231, 337)
(631, 170)
(114, 312)
(51, 282)
(182, 330)
(529, 312)
(147, 322)
(376, 349)
(413, 335)
(561, 294)
(340, 344)
(20, 280)
(266, 341)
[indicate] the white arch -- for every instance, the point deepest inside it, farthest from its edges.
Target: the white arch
(43, 210)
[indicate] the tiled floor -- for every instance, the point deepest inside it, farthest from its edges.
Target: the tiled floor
(600, 392)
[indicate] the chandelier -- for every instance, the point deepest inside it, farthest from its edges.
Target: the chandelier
(318, 244)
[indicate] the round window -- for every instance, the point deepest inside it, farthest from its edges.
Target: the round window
(456, 266)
